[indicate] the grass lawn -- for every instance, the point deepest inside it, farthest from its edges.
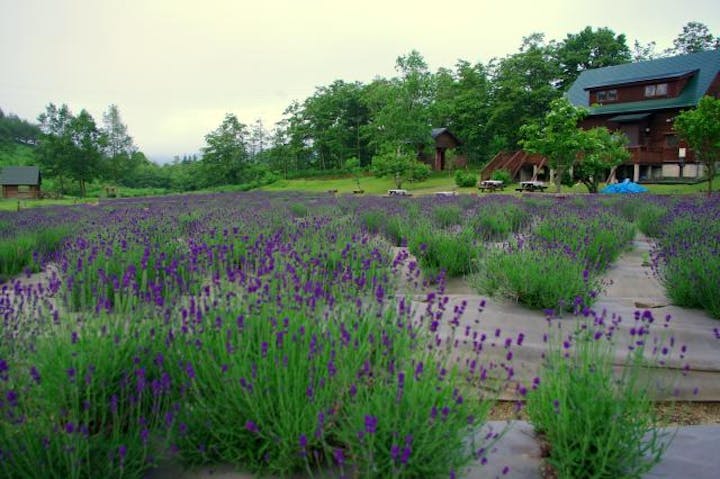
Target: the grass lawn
(437, 182)
(12, 204)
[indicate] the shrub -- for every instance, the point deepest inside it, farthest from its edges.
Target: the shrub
(540, 279)
(595, 422)
(502, 175)
(464, 178)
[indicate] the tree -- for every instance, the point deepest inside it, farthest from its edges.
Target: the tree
(557, 137)
(400, 108)
(401, 166)
(601, 151)
(590, 49)
(695, 37)
(225, 158)
(84, 164)
(119, 147)
(55, 148)
(352, 166)
(700, 128)
(641, 53)
(462, 104)
(523, 85)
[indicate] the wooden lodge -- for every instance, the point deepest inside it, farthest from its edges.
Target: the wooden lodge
(444, 140)
(641, 100)
(21, 182)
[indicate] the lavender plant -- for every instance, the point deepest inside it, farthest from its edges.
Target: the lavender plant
(596, 422)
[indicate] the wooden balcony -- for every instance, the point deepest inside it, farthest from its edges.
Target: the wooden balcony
(656, 155)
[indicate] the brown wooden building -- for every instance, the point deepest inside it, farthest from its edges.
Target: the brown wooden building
(444, 140)
(642, 100)
(21, 182)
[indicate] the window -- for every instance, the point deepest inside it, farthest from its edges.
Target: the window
(660, 89)
(671, 141)
(23, 189)
(606, 95)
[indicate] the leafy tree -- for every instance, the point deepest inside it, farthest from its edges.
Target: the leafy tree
(119, 147)
(55, 148)
(14, 130)
(589, 49)
(400, 108)
(701, 129)
(601, 151)
(462, 103)
(84, 164)
(352, 166)
(258, 139)
(557, 137)
(523, 85)
(401, 166)
(695, 37)
(225, 158)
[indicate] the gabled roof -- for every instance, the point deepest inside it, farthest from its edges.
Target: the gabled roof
(702, 68)
(439, 131)
(20, 175)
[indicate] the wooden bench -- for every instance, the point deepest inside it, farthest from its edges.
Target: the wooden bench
(358, 192)
(398, 193)
(445, 193)
(332, 192)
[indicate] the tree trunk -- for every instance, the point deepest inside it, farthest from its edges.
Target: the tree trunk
(559, 172)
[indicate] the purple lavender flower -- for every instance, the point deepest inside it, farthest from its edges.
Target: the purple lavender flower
(370, 424)
(252, 427)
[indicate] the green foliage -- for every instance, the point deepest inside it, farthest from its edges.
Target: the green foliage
(438, 250)
(400, 166)
(590, 49)
(465, 178)
(596, 423)
(225, 158)
(352, 165)
(446, 215)
(25, 250)
(700, 127)
(649, 218)
(695, 37)
(557, 137)
(687, 260)
(601, 152)
(523, 86)
(502, 175)
(539, 279)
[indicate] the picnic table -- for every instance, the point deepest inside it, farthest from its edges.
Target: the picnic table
(398, 193)
(532, 186)
(490, 185)
(446, 193)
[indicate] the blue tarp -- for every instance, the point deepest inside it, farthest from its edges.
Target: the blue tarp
(626, 186)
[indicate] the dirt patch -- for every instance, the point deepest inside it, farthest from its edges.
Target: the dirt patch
(671, 414)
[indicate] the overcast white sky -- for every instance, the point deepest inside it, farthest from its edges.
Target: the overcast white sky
(175, 67)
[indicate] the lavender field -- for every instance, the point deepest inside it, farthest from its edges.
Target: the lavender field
(289, 333)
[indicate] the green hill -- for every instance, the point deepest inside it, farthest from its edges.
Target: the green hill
(16, 155)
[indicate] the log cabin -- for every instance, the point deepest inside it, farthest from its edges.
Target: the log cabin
(641, 100)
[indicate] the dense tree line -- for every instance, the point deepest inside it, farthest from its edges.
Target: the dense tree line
(485, 105)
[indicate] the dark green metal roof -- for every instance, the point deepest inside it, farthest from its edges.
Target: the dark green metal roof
(705, 64)
(20, 175)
